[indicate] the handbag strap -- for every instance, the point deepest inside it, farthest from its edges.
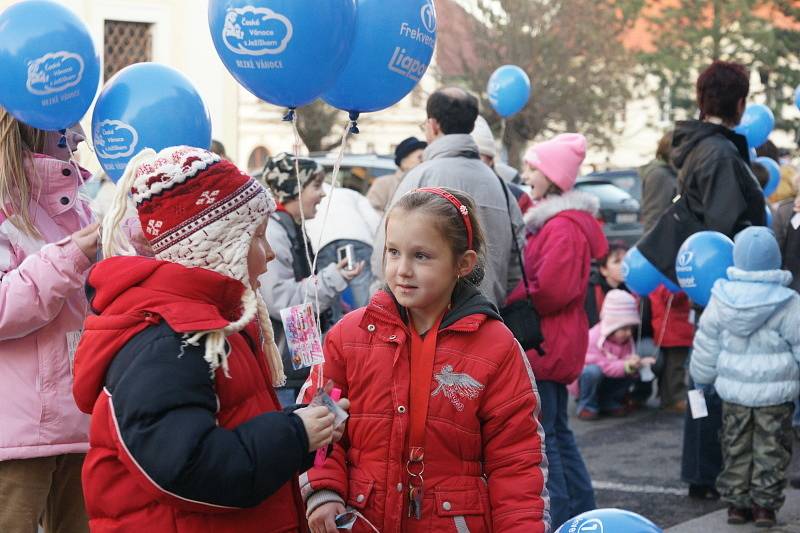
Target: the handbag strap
(423, 352)
(514, 242)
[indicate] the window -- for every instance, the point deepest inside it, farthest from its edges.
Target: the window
(126, 43)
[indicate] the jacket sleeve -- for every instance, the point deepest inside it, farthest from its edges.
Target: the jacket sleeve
(278, 286)
(514, 271)
(612, 367)
(513, 447)
(554, 274)
(790, 326)
(33, 292)
(327, 483)
(724, 203)
(706, 350)
(658, 190)
(164, 407)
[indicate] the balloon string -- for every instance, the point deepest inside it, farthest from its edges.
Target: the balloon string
(503, 137)
(334, 183)
(304, 234)
(664, 322)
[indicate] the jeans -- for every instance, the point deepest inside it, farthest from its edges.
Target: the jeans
(701, 460)
(599, 392)
(568, 482)
(360, 285)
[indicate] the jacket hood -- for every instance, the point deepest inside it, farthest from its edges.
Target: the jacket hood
(455, 145)
(579, 207)
(749, 299)
(130, 294)
(689, 133)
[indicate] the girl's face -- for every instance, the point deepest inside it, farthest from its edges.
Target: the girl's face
(312, 196)
(419, 265)
(259, 255)
(612, 270)
(622, 335)
(75, 135)
(537, 181)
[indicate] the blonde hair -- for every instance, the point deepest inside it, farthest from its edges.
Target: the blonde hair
(17, 143)
(115, 243)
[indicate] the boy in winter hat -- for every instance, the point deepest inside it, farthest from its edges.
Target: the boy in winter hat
(611, 361)
(748, 346)
(177, 367)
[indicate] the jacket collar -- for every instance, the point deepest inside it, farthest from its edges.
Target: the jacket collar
(55, 183)
(539, 214)
(455, 145)
(780, 277)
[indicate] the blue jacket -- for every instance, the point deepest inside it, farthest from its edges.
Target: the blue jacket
(748, 340)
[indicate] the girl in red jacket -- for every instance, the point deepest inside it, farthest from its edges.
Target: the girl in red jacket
(443, 433)
(563, 238)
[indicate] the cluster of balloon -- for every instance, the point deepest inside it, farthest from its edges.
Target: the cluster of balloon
(756, 124)
(610, 521)
(357, 55)
(49, 64)
(702, 260)
(147, 105)
(509, 90)
(774, 174)
(641, 276)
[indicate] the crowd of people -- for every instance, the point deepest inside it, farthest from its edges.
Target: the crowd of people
(152, 382)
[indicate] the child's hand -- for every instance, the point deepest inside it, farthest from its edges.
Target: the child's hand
(647, 361)
(86, 239)
(344, 403)
(322, 520)
(318, 422)
(349, 275)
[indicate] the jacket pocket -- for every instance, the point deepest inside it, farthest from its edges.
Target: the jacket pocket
(360, 492)
(463, 511)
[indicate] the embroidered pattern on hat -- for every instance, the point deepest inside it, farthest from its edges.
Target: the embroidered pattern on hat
(154, 177)
(154, 227)
(240, 197)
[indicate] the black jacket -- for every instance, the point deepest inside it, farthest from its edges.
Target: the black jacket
(659, 186)
(714, 173)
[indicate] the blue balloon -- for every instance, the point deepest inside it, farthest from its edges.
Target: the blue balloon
(49, 64)
(609, 521)
(147, 105)
(702, 260)
(774, 174)
(671, 287)
(756, 124)
(797, 97)
(286, 52)
(509, 90)
(393, 46)
(640, 275)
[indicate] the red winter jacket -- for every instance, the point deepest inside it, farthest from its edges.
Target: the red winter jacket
(680, 331)
(484, 467)
(564, 237)
(174, 448)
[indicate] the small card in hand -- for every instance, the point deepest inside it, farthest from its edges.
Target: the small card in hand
(323, 398)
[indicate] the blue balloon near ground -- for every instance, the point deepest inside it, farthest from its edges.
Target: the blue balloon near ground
(509, 90)
(147, 105)
(774, 174)
(640, 275)
(286, 52)
(756, 124)
(702, 260)
(609, 521)
(393, 46)
(49, 64)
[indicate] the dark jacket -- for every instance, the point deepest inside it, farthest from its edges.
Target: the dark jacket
(788, 239)
(174, 447)
(714, 171)
(659, 186)
(596, 295)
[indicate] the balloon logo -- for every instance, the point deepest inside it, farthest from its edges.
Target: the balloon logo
(611, 520)
(685, 259)
(50, 66)
(147, 105)
(593, 525)
(509, 90)
(393, 46)
(286, 52)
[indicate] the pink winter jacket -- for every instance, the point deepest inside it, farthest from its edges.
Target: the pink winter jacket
(42, 308)
(609, 356)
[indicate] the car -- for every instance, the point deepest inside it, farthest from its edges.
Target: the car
(627, 179)
(619, 211)
(357, 171)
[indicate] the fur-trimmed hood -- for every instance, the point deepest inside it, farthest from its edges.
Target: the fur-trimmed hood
(540, 213)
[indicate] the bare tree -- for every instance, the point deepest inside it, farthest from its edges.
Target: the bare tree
(316, 122)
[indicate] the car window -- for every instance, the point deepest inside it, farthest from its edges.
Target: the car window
(606, 192)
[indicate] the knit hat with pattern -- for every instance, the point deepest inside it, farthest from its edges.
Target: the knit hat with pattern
(281, 176)
(199, 210)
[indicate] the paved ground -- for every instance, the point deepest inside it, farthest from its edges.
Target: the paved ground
(635, 465)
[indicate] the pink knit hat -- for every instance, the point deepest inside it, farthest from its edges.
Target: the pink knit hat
(559, 159)
(619, 310)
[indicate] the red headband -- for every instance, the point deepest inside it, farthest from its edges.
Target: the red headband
(462, 209)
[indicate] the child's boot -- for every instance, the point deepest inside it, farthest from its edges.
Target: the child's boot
(763, 517)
